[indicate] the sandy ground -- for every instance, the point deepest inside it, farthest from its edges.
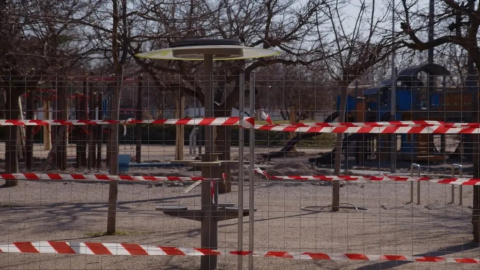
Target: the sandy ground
(290, 216)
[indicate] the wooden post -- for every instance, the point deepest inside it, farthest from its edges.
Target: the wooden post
(180, 129)
(80, 133)
(293, 121)
(99, 130)
(29, 136)
(138, 127)
(47, 139)
(91, 130)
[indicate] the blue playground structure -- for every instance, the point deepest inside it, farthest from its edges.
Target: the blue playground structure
(421, 94)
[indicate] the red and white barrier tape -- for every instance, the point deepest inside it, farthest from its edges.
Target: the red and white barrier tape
(347, 178)
(90, 248)
(368, 124)
(219, 121)
(96, 177)
(367, 178)
(395, 129)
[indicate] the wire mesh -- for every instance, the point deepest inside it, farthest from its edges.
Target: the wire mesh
(374, 217)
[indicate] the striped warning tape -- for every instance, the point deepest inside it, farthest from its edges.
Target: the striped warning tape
(219, 121)
(347, 178)
(367, 124)
(393, 127)
(388, 129)
(91, 248)
(419, 123)
(367, 178)
(96, 177)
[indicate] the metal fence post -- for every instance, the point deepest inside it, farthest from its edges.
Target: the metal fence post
(414, 165)
(460, 190)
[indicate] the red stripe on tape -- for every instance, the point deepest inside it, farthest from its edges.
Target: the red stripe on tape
(467, 130)
(31, 176)
(7, 176)
(416, 130)
(251, 120)
(208, 251)
(15, 122)
(172, 251)
(26, 247)
(102, 177)
(62, 247)
(441, 129)
(470, 182)
(206, 121)
(230, 121)
(241, 252)
(430, 259)
(78, 176)
(365, 129)
(467, 260)
(134, 249)
(54, 176)
(357, 257)
(339, 129)
(183, 121)
(159, 121)
(98, 249)
(315, 129)
(318, 256)
(395, 257)
(279, 254)
(390, 130)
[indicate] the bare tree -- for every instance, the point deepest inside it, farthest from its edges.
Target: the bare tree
(38, 39)
(358, 44)
(282, 25)
(458, 23)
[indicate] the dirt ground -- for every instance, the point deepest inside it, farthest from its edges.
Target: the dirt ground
(377, 218)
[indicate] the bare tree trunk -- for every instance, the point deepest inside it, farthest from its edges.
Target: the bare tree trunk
(113, 148)
(338, 151)
(11, 154)
(61, 131)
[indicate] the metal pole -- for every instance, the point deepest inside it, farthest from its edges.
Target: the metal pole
(208, 102)
(209, 226)
(251, 189)
(460, 189)
(241, 140)
(393, 105)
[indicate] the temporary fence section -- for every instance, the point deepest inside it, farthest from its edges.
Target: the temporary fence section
(271, 191)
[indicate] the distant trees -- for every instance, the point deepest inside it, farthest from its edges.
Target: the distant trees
(38, 39)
